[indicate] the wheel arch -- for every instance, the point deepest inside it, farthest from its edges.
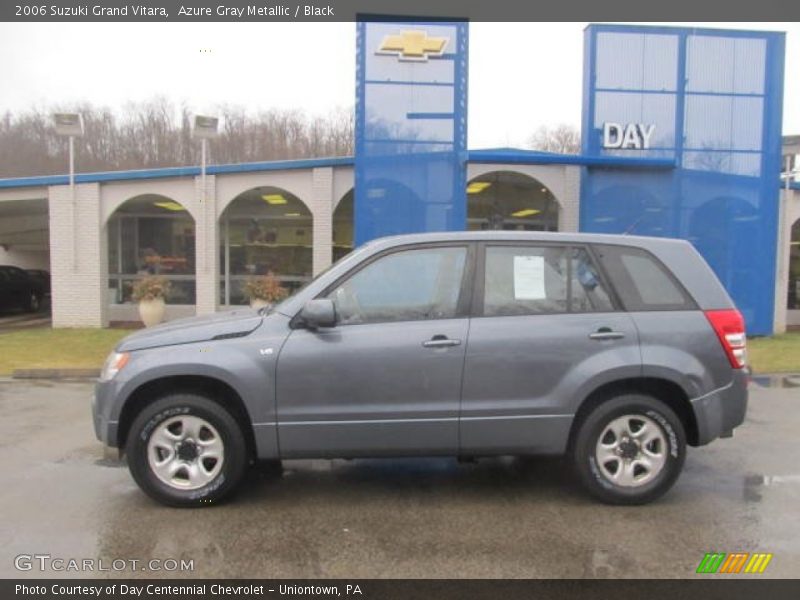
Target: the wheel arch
(663, 390)
(209, 387)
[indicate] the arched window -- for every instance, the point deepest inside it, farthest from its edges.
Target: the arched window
(343, 227)
(264, 230)
(511, 201)
(151, 235)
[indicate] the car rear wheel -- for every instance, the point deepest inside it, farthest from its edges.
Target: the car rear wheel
(629, 450)
(186, 450)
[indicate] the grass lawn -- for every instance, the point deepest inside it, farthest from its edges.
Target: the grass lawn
(56, 348)
(776, 354)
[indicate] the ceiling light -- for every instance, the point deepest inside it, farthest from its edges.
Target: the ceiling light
(526, 212)
(292, 215)
(274, 199)
(476, 187)
(169, 205)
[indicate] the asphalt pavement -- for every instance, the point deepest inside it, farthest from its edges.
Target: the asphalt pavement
(63, 497)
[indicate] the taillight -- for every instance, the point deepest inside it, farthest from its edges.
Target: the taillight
(729, 326)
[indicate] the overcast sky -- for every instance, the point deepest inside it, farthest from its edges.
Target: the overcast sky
(521, 76)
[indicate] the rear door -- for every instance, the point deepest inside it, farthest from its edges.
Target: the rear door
(545, 329)
(677, 340)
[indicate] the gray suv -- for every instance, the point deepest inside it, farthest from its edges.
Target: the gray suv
(615, 350)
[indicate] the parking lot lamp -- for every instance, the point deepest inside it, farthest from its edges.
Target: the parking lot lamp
(70, 125)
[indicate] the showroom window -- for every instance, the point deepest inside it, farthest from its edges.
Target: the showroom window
(151, 235)
(265, 230)
(505, 200)
(794, 268)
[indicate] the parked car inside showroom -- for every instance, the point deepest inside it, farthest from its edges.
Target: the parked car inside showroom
(18, 290)
(616, 351)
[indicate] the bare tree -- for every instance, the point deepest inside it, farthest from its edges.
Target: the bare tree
(563, 139)
(156, 133)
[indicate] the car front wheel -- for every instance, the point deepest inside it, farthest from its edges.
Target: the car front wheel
(629, 449)
(186, 450)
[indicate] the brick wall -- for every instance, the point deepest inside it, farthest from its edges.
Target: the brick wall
(321, 206)
(78, 257)
(204, 210)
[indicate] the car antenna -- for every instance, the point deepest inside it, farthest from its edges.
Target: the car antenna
(633, 225)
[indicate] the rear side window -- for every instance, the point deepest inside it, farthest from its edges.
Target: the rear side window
(642, 282)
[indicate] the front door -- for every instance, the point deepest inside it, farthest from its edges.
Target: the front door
(386, 380)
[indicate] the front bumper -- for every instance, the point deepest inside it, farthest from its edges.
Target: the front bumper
(719, 412)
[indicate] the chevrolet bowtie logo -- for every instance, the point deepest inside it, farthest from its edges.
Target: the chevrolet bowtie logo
(413, 45)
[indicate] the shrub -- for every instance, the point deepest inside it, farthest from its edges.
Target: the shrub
(264, 287)
(150, 288)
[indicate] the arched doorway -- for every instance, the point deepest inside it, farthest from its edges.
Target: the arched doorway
(264, 230)
(343, 227)
(511, 201)
(151, 235)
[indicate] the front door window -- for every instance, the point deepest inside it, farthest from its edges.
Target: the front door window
(411, 285)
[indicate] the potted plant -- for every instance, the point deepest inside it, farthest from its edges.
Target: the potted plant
(150, 292)
(264, 290)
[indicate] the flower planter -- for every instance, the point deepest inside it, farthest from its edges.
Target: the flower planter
(258, 303)
(152, 311)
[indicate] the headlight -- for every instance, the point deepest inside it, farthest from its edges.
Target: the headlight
(113, 365)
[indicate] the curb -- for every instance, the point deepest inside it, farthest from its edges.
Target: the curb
(55, 374)
(776, 380)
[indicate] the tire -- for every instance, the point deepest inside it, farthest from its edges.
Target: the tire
(34, 303)
(629, 450)
(193, 472)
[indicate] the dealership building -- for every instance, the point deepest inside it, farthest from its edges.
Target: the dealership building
(681, 137)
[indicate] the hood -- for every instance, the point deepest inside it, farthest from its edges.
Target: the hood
(235, 323)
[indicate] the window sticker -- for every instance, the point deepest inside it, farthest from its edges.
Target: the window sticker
(529, 278)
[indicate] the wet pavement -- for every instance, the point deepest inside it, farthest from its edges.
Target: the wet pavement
(394, 518)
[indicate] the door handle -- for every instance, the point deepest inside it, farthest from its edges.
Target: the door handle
(605, 333)
(440, 341)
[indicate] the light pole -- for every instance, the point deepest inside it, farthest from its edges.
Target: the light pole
(70, 125)
(205, 128)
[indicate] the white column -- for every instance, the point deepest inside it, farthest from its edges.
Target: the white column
(206, 245)
(321, 205)
(78, 257)
(569, 216)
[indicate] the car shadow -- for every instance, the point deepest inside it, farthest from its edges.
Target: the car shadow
(338, 480)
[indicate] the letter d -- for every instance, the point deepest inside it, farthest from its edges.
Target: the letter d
(612, 135)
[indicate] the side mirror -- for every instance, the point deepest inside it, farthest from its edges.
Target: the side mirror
(318, 313)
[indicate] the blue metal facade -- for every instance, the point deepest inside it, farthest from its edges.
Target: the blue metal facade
(714, 98)
(411, 129)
